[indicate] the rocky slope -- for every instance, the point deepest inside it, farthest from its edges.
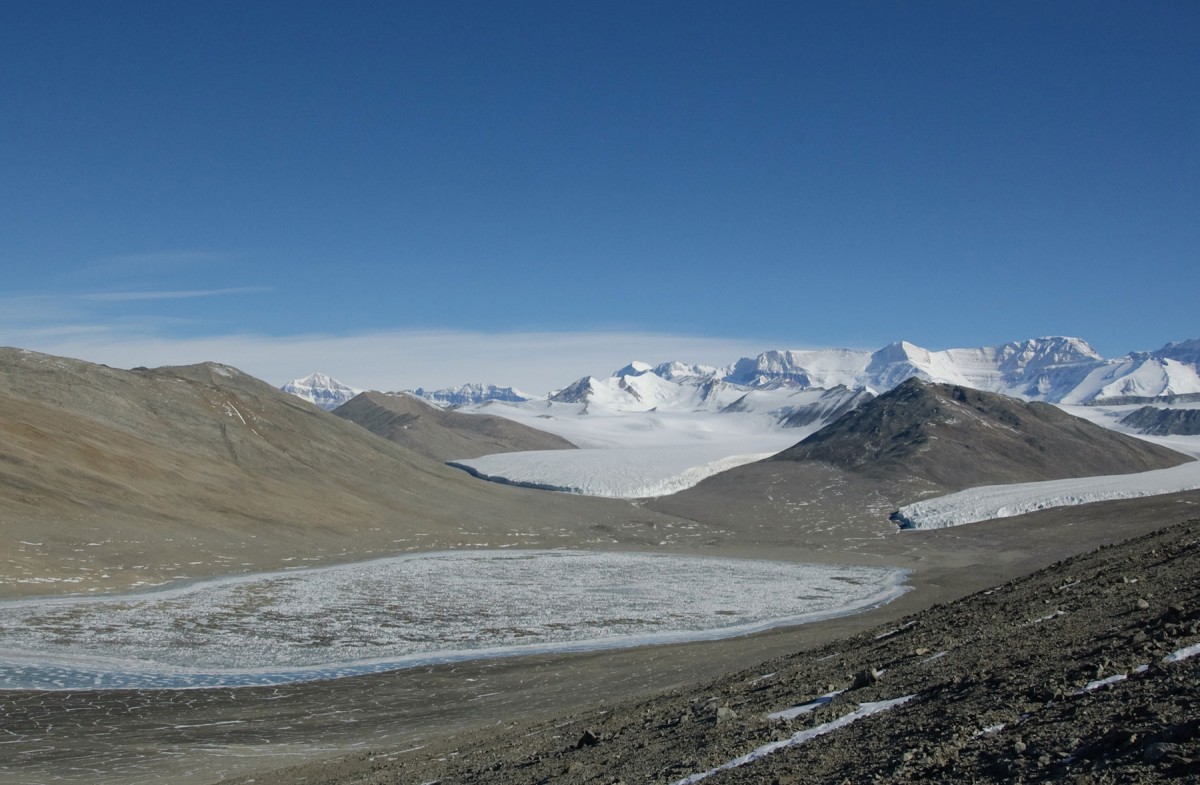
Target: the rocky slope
(956, 437)
(113, 478)
(442, 434)
(1066, 675)
(1163, 422)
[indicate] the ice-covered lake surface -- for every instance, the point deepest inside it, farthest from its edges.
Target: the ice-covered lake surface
(418, 609)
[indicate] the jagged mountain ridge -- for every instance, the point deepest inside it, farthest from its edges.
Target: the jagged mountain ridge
(466, 394)
(1053, 369)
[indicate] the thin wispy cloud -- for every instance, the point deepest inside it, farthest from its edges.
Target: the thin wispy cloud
(160, 261)
(139, 269)
(178, 294)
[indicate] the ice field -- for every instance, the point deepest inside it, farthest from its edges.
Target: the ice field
(301, 625)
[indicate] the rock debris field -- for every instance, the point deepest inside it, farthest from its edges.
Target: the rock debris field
(1084, 672)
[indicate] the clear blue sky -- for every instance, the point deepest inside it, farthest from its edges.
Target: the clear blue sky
(773, 174)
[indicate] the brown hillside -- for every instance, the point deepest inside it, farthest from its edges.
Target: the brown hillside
(111, 477)
(442, 434)
(956, 437)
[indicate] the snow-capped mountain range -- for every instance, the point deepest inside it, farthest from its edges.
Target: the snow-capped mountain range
(1053, 369)
(468, 394)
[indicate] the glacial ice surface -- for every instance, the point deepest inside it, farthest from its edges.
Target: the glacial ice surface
(418, 609)
(1002, 501)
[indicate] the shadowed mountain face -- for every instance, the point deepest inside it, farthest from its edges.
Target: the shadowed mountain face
(440, 434)
(1164, 422)
(956, 437)
(111, 477)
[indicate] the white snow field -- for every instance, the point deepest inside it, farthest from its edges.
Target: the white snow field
(418, 609)
(630, 472)
(632, 454)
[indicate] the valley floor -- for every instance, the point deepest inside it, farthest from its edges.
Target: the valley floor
(1084, 672)
(201, 736)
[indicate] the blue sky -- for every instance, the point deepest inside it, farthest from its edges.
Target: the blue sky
(294, 186)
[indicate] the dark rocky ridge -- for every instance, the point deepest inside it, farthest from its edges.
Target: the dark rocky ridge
(442, 434)
(956, 437)
(1164, 422)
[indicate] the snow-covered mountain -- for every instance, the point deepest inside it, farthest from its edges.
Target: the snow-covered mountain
(468, 394)
(1054, 369)
(321, 390)
(639, 387)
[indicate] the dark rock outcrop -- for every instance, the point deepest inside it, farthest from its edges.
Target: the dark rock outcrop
(957, 437)
(1164, 422)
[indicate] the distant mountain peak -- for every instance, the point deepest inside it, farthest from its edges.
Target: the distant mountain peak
(319, 379)
(635, 368)
(467, 394)
(577, 392)
(321, 390)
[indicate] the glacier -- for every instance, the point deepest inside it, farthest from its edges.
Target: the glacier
(990, 502)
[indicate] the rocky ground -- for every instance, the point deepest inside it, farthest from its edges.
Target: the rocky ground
(1005, 685)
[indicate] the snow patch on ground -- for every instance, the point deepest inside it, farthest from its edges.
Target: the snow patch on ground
(804, 708)
(1092, 686)
(863, 710)
(1180, 655)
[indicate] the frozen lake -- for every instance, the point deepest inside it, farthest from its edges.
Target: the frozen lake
(419, 609)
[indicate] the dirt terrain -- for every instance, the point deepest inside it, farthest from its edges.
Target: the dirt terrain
(443, 434)
(198, 736)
